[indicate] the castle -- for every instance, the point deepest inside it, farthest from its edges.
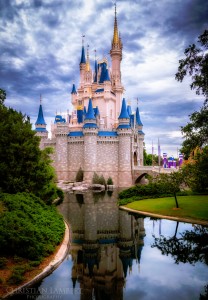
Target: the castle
(101, 134)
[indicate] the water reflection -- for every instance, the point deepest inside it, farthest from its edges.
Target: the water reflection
(190, 246)
(105, 241)
(116, 255)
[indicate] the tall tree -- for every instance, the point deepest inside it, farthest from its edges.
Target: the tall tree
(195, 64)
(23, 166)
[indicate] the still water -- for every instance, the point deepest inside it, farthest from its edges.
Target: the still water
(116, 255)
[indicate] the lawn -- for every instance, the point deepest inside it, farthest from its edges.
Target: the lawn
(193, 207)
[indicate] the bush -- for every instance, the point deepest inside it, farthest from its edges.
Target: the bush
(29, 228)
(79, 175)
(98, 179)
(109, 181)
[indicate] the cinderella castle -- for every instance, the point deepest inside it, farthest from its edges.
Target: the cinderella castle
(101, 134)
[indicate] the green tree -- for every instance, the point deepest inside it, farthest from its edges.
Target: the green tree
(79, 175)
(196, 65)
(196, 172)
(23, 166)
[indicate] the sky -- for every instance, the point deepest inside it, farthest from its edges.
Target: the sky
(40, 50)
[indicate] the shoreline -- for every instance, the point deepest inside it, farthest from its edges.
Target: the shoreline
(53, 264)
(149, 214)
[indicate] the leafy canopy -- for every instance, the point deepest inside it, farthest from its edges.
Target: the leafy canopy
(195, 64)
(23, 166)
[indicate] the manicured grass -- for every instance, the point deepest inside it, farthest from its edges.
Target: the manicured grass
(194, 207)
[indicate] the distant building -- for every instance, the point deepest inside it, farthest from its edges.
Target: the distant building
(101, 134)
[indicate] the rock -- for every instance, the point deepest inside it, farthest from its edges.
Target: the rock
(79, 188)
(99, 187)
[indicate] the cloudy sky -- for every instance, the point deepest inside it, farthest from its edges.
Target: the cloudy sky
(40, 48)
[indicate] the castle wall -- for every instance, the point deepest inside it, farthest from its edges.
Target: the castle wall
(75, 156)
(124, 159)
(90, 154)
(107, 154)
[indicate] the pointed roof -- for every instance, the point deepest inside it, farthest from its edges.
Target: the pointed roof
(115, 40)
(90, 112)
(73, 89)
(138, 120)
(40, 119)
(124, 114)
(107, 77)
(83, 59)
(129, 110)
(96, 69)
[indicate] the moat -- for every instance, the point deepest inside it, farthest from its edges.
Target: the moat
(117, 255)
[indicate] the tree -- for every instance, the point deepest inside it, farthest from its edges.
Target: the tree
(195, 133)
(23, 166)
(196, 65)
(196, 171)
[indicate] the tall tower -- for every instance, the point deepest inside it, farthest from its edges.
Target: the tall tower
(82, 64)
(124, 149)
(116, 57)
(40, 126)
(90, 131)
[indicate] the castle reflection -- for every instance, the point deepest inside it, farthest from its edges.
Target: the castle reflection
(104, 243)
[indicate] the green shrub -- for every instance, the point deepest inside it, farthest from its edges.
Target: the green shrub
(29, 228)
(109, 181)
(79, 175)
(95, 179)
(98, 179)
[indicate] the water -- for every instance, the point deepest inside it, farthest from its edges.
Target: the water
(116, 255)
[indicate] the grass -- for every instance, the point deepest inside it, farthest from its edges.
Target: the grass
(192, 207)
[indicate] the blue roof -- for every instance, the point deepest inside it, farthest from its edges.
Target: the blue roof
(75, 133)
(107, 133)
(99, 90)
(141, 132)
(80, 116)
(83, 59)
(41, 129)
(138, 120)
(107, 76)
(90, 112)
(90, 125)
(59, 119)
(124, 114)
(96, 69)
(129, 110)
(123, 126)
(40, 119)
(73, 89)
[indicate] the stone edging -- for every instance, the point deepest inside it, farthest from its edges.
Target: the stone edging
(57, 260)
(192, 221)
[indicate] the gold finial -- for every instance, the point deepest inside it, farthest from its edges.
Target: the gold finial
(115, 34)
(88, 60)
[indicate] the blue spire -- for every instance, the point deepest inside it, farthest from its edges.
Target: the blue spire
(138, 120)
(104, 76)
(40, 119)
(96, 69)
(90, 112)
(129, 110)
(96, 111)
(73, 89)
(83, 59)
(124, 114)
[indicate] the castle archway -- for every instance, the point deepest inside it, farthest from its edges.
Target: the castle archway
(141, 178)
